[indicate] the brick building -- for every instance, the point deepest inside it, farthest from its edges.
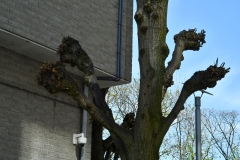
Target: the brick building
(35, 124)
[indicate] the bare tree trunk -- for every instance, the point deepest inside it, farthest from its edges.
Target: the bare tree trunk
(152, 29)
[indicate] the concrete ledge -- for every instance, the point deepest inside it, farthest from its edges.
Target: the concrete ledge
(41, 53)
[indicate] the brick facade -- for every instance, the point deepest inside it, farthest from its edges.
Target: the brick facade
(34, 124)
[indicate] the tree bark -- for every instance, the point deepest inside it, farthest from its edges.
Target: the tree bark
(153, 50)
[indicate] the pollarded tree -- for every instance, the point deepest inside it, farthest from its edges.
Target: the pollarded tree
(145, 138)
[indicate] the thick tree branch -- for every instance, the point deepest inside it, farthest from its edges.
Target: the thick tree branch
(185, 40)
(71, 52)
(54, 78)
(127, 124)
(107, 143)
(200, 80)
(112, 143)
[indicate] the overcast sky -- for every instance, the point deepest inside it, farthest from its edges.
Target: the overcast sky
(221, 21)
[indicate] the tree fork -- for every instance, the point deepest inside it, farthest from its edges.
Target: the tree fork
(200, 80)
(185, 40)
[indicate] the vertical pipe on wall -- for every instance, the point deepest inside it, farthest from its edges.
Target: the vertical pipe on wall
(119, 47)
(84, 126)
(119, 40)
